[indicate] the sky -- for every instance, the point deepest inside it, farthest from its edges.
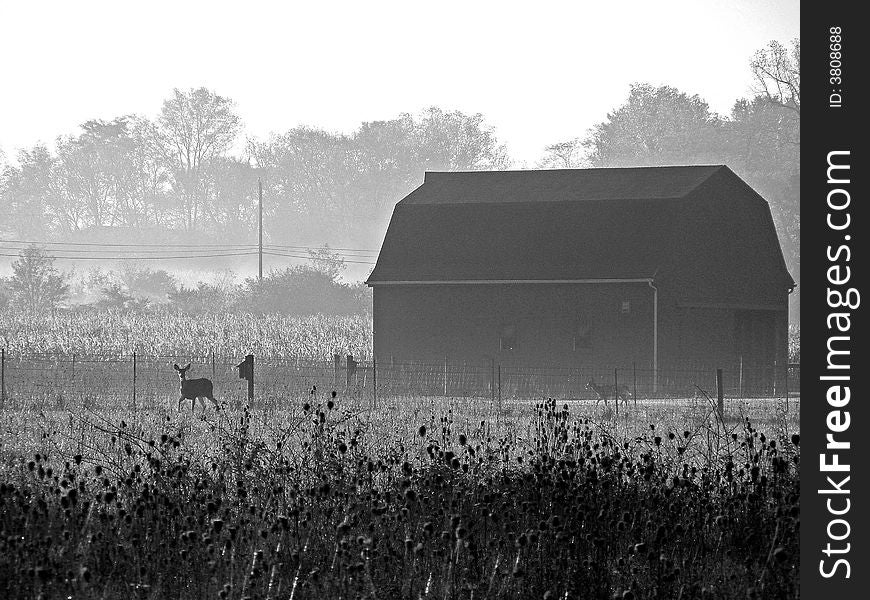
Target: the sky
(541, 72)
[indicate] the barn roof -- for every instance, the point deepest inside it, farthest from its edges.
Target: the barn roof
(559, 185)
(567, 224)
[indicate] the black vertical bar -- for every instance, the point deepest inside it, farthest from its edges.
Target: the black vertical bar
(833, 548)
(250, 359)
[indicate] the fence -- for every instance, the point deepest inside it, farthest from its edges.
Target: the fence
(148, 380)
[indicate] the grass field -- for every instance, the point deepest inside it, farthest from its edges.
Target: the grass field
(419, 498)
(357, 495)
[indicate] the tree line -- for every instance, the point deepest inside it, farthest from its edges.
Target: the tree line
(37, 286)
(191, 170)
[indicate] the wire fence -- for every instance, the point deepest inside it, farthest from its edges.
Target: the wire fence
(147, 381)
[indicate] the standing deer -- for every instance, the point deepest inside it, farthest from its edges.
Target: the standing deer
(193, 389)
(606, 392)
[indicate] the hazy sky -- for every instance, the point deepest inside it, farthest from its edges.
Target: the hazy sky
(541, 72)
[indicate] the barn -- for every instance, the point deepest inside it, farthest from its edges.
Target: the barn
(661, 270)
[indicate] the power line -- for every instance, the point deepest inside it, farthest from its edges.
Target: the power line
(45, 243)
(169, 246)
(128, 251)
(108, 258)
(96, 254)
(360, 262)
(359, 250)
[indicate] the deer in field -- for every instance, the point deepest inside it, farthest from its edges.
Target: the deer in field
(193, 389)
(606, 392)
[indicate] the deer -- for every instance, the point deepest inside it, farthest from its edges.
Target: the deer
(606, 392)
(193, 389)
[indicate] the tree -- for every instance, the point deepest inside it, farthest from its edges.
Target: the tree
(35, 284)
(195, 127)
(454, 141)
(655, 126)
(231, 211)
(91, 171)
(327, 261)
(299, 290)
(308, 176)
(32, 194)
(777, 73)
(5, 199)
(326, 186)
(564, 155)
(115, 297)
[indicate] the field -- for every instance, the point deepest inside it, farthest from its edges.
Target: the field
(107, 333)
(429, 496)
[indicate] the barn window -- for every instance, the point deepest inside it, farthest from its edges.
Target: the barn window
(626, 307)
(508, 338)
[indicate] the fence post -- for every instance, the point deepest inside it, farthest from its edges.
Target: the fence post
(336, 368)
(445, 376)
(740, 378)
(246, 372)
(250, 359)
(775, 376)
(3, 376)
(374, 382)
(351, 370)
(213, 370)
(134, 380)
(720, 394)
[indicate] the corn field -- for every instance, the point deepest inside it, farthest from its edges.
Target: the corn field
(115, 333)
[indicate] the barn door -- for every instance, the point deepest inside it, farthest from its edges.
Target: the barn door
(756, 344)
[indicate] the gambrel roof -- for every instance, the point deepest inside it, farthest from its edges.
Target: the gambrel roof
(576, 224)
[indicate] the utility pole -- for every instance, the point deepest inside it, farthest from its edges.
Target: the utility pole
(260, 230)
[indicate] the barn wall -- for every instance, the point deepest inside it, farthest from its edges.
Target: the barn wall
(696, 338)
(728, 254)
(465, 322)
(706, 338)
(727, 250)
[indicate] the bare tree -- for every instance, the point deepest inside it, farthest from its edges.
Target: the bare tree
(196, 127)
(325, 260)
(31, 194)
(564, 155)
(777, 73)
